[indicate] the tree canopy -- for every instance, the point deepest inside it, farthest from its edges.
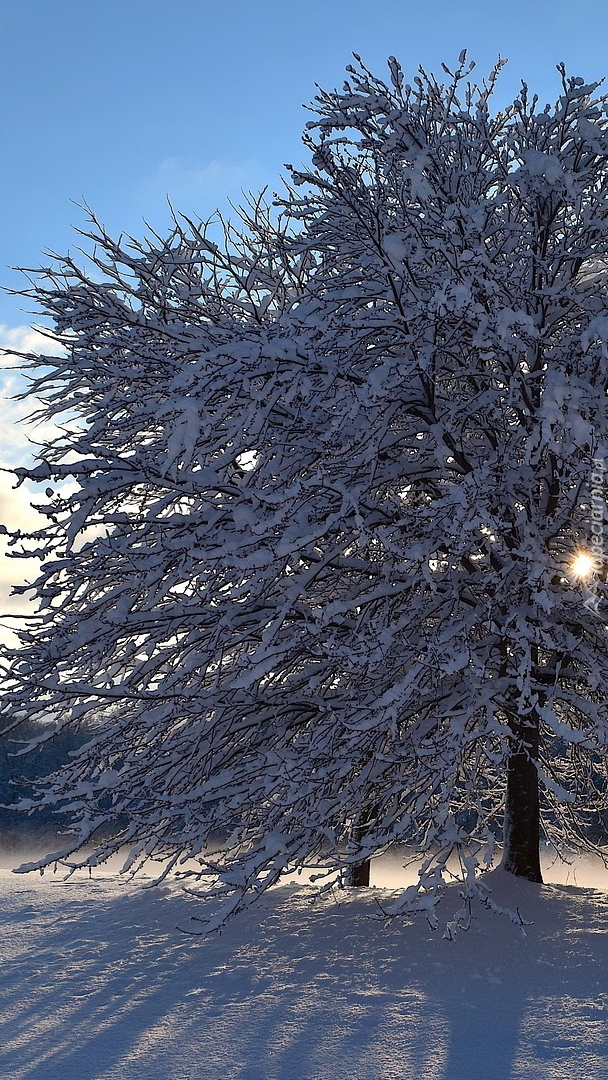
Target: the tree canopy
(312, 509)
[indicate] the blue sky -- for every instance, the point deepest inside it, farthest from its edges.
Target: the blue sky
(121, 103)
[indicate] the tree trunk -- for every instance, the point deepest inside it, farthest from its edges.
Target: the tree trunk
(358, 874)
(521, 855)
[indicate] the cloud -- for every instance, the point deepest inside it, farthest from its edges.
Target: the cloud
(17, 447)
(21, 436)
(22, 339)
(16, 512)
(184, 182)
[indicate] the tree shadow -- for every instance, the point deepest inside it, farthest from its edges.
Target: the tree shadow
(97, 984)
(524, 1004)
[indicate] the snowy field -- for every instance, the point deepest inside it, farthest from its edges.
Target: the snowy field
(98, 983)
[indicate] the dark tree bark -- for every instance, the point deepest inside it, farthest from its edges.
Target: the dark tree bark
(360, 874)
(521, 855)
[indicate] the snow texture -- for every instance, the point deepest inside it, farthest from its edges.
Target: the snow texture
(96, 983)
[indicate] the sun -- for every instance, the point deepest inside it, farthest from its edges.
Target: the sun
(583, 565)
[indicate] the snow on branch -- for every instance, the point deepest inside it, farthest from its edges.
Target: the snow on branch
(322, 473)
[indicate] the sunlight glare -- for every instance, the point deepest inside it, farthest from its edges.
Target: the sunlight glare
(583, 565)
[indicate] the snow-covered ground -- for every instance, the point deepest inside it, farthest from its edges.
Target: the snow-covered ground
(98, 983)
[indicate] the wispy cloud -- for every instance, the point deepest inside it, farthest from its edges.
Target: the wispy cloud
(22, 339)
(17, 448)
(17, 444)
(185, 182)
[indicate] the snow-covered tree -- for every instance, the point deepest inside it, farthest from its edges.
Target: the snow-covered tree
(314, 507)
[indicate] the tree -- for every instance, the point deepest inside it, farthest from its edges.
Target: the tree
(318, 490)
